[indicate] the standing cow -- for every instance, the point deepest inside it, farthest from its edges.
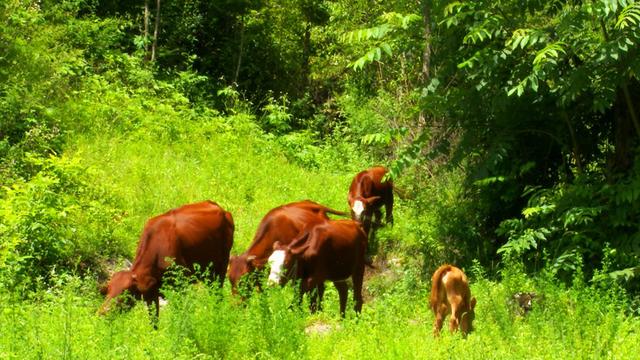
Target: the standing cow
(200, 233)
(281, 224)
(334, 251)
(450, 294)
(367, 194)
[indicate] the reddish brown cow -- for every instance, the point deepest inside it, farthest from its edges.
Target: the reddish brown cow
(450, 294)
(200, 233)
(333, 251)
(281, 224)
(367, 194)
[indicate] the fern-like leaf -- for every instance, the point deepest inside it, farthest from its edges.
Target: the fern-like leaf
(629, 17)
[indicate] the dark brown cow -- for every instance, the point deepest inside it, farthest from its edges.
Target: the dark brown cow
(450, 294)
(367, 194)
(282, 224)
(333, 251)
(200, 233)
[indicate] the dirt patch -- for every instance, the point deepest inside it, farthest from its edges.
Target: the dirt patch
(384, 272)
(319, 328)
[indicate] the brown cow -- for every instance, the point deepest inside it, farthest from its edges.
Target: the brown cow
(450, 294)
(333, 251)
(282, 224)
(200, 233)
(367, 194)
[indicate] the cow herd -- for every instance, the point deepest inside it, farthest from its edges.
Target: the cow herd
(298, 241)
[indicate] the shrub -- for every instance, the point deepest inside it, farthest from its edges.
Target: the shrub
(55, 222)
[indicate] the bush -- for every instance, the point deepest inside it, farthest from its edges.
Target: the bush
(55, 222)
(588, 222)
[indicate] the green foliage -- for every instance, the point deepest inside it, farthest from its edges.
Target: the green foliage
(277, 118)
(58, 221)
(580, 223)
(382, 35)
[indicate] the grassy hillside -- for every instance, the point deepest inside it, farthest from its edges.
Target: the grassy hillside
(228, 160)
(93, 144)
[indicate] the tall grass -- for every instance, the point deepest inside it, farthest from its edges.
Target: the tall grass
(204, 322)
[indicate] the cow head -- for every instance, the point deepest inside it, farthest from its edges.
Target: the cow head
(467, 318)
(283, 260)
(360, 207)
(241, 265)
(120, 282)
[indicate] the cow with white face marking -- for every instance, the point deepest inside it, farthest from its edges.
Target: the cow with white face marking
(367, 194)
(282, 224)
(334, 251)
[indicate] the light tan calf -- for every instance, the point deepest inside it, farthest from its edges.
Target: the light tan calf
(450, 294)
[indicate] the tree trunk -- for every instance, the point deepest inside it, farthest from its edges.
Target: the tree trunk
(630, 108)
(574, 142)
(306, 53)
(154, 46)
(426, 52)
(240, 50)
(146, 30)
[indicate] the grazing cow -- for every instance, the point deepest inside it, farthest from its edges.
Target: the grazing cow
(333, 251)
(450, 294)
(281, 224)
(367, 194)
(200, 233)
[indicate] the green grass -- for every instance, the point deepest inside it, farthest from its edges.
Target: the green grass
(152, 169)
(245, 173)
(205, 323)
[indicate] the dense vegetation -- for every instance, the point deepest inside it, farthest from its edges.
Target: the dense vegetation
(511, 130)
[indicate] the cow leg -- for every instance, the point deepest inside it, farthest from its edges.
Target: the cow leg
(152, 299)
(301, 292)
(437, 324)
(316, 293)
(377, 213)
(307, 286)
(320, 295)
(219, 273)
(357, 278)
(343, 290)
(454, 322)
(366, 224)
(388, 209)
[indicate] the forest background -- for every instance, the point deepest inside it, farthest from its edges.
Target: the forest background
(510, 128)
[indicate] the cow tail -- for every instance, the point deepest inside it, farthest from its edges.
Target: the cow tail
(436, 285)
(334, 212)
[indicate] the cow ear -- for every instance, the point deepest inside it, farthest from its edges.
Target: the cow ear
(473, 303)
(299, 241)
(372, 199)
(299, 249)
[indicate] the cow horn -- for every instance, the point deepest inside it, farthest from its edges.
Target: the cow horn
(251, 257)
(128, 263)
